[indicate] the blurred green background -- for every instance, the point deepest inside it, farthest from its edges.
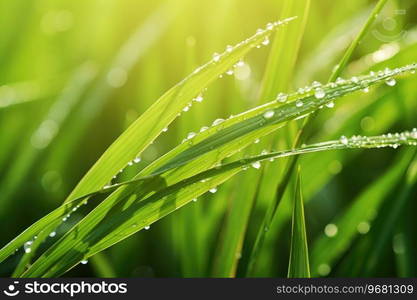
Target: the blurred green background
(74, 74)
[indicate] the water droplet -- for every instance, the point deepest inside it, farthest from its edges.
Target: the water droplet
(213, 190)
(229, 72)
(204, 128)
(330, 104)
(256, 164)
(256, 141)
(240, 63)
(216, 57)
(217, 122)
(165, 129)
(390, 81)
(191, 135)
(229, 48)
(268, 114)
(147, 227)
(199, 98)
(281, 97)
(195, 199)
(319, 93)
(344, 140)
(298, 103)
(84, 262)
(52, 234)
(355, 79)
(26, 246)
(137, 160)
(366, 90)
(185, 109)
(265, 42)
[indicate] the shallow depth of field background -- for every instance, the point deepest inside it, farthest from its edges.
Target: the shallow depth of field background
(108, 61)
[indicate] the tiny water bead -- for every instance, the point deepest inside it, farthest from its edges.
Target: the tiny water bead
(26, 246)
(216, 57)
(217, 122)
(84, 262)
(191, 135)
(147, 227)
(319, 93)
(52, 234)
(390, 81)
(137, 160)
(229, 72)
(330, 104)
(299, 103)
(268, 114)
(256, 164)
(256, 141)
(265, 42)
(344, 140)
(281, 97)
(213, 190)
(194, 200)
(199, 98)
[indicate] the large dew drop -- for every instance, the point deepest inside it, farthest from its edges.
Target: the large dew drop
(268, 114)
(256, 164)
(390, 81)
(319, 93)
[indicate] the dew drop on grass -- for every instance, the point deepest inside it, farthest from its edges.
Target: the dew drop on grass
(256, 164)
(216, 57)
(204, 128)
(265, 42)
(52, 234)
(268, 114)
(191, 135)
(84, 262)
(199, 98)
(229, 48)
(165, 129)
(319, 93)
(240, 63)
(344, 140)
(185, 109)
(281, 97)
(229, 72)
(366, 90)
(137, 160)
(27, 245)
(298, 103)
(330, 104)
(355, 79)
(213, 190)
(256, 141)
(147, 227)
(195, 200)
(217, 122)
(390, 81)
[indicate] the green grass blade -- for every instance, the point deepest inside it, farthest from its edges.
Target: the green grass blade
(299, 266)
